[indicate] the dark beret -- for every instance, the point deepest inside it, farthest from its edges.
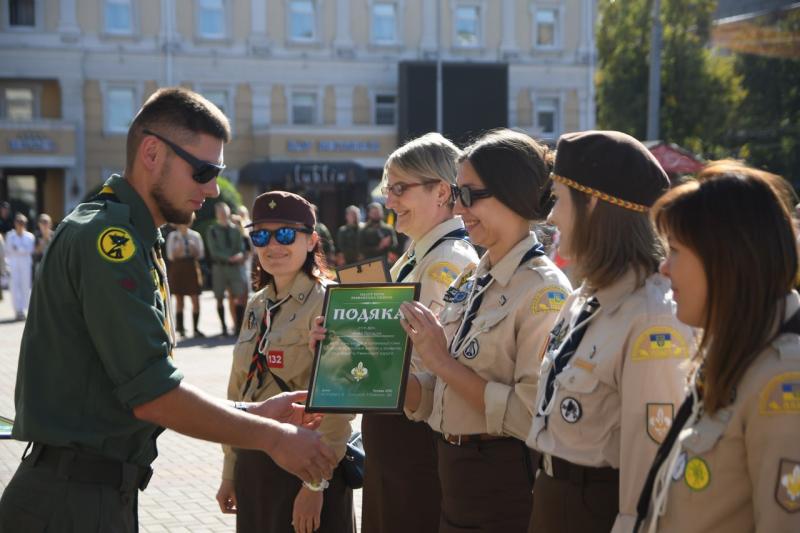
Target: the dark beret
(282, 206)
(612, 166)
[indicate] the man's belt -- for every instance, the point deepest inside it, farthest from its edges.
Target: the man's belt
(85, 467)
(558, 468)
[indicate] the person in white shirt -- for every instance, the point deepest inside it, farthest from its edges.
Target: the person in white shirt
(19, 252)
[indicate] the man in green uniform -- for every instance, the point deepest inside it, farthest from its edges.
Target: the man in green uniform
(96, 382)
(226, 251)
(377, 238)
(347, 236)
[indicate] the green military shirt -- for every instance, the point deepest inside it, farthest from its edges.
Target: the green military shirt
(370, 238)
(96, 342)
(347, 241)
(223, 242)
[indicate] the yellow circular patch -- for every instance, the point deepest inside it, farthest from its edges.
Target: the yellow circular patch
(549, 300)
(445, 273)
(660, 342)
(697, 476)
(116, 245)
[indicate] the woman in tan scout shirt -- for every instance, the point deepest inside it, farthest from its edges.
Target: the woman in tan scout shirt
(400, 470)
(611, 376)
(482, 352)
(732, 460)
(272, 355)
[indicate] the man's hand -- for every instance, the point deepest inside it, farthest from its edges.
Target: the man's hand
(286, 407)
(226, 497)
(307, 510)
(301, 452)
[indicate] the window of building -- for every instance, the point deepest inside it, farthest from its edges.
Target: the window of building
(302, 20)
(546, 32)
(547, 118)
(384, 23)
(118, 16)
(19, 104)
(385, 109)
(22, 13)
(304, 108)
(211, 19)
(120, 108)
(467, 26)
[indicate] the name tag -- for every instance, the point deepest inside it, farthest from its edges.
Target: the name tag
(275, 359)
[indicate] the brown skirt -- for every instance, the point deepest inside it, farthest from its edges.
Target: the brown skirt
(184, 277)
(265, 496)
(401, 483)
(486, 486)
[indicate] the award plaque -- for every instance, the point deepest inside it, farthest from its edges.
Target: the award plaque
(373, 270)
(362, 364)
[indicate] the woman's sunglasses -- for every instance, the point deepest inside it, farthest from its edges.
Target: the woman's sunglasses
(467, 195)
(204, 171)
(285, 236)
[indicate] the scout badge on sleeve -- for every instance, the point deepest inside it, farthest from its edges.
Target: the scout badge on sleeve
(787, 490)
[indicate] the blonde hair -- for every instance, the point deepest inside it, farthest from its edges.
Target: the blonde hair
(431, 156)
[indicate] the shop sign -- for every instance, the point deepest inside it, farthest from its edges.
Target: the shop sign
(304, 174)
(335, 146)
(31, 142)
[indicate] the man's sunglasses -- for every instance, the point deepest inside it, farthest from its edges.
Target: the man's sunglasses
(204, 171)
(467, 195)
(285, 236)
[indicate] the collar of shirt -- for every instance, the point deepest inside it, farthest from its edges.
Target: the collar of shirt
(140, 216)
(505, 268)
(299, 291)
(611, 297)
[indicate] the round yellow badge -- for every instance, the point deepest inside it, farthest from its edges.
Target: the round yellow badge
(549, 300)
(116, 245)
(697, 476)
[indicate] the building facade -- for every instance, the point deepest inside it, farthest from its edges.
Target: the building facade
(308, 82)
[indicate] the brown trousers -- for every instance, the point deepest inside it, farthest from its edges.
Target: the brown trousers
(577, 505)
(265, 496)
(401, 484)
(486, 486)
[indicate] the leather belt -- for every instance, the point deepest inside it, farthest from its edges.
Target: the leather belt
(558, 468)
(85, 467)
(460, 440)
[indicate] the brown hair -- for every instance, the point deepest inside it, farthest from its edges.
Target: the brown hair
(609, 240)
(315, 267)
(515, 169)
(737, 220)
(179, 114)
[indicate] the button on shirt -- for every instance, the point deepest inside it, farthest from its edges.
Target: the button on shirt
(617, 396)
(739, 470)
(287, 355)
(435, 269)
(95, 344)
(517, 311)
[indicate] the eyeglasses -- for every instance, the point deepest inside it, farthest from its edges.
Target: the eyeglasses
(467, 195)
(204, 171)
(285, 236)
(399, 188)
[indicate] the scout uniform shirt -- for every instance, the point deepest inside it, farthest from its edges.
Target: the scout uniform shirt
(370, 236)
(618, 394)
(223, 243)
(97, 342)
(502, 345)
(435, 268)
(739, 470)
(287, 355)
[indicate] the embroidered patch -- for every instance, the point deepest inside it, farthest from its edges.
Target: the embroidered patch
(571, 410)
(251, 320)
(660, 342)
(444, 273)
(781, 395)
(549, 300)
(787, 489)
(659, 420)
(680, 467)
(275, 358)
(472, 349)
(453, 295)
(697, 476)
(116, 245)
(554, 338)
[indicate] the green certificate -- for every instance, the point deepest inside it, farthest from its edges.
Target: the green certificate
(362, 365)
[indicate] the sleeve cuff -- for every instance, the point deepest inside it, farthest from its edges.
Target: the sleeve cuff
(495, 398)
(335, 431)
(156, 380)
(427, 382)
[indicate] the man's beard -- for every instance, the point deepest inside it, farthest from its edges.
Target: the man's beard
(171, 214)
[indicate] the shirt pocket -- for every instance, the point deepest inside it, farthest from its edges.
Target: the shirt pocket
(705, 434)
(288, 355)
(485, 322)
(577, 381)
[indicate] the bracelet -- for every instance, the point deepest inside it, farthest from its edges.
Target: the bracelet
(316, 487)
(242, 406)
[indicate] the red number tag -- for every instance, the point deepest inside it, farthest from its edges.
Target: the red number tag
(275, 359)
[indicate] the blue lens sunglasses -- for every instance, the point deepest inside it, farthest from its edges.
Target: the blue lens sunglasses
(285, 236)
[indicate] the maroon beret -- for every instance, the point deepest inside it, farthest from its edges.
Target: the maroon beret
(282, 206)
(612, 166)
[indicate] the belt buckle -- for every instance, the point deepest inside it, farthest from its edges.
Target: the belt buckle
(455, 440)
(547, 464)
